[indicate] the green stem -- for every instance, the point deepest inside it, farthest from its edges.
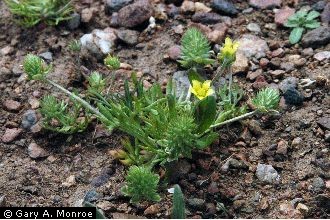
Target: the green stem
(234, 119)
(83, 102)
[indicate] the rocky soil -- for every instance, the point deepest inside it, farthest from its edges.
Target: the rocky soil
(265, 167)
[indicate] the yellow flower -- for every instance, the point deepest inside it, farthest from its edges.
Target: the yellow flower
(228, 51)
(201, 90)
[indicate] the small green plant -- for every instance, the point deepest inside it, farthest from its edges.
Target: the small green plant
(74, 46)
(30, 12)
(164, 126)
(141, 184)
(299, 21)
(57, 116)
(195, 50)
(112, 62)
(178, 207)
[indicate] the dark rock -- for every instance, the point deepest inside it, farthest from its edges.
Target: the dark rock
(135, 14)
(290, 82)
(324, 122)
(317, 37)
(91, 196)
(29, 119)
(236, 164)
(173, 11)
(206, 18)
(317, 184)
(174, 2)
(319, 6)
(74, 21)
(196, 204)
(177, 170)
(293, 97)
(213, 188)
(129, 37)
(325, 16)
(115, 5)
(102, 178)
(323, 200)
(224, 7)
(265, 4)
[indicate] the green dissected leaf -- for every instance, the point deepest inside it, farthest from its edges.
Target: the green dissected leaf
(178, 211)
(295, 35)
(312, 15)
(205, 113)
(128, 97)
(206, 140)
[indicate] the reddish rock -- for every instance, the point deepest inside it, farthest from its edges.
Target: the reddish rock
(11, 134)
(253, 75)
(218, 34)
(152, 210)
(277, 73)
(282, 15)
(263, 62)
(278, 52)
(282, 147)
(203, 28)
(135, 14)
(35, 151)
(263, 4)
(241, 64)
(174, 52)
(11, 105)
(260, 82)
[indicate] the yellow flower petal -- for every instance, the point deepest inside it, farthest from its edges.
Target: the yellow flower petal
(228, 42)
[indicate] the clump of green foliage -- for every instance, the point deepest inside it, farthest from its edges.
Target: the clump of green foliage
(74, 46)
(195, 49)
(299, 22)
(162, 127)
(112, 62)
(57, 116)
(141, 184)
(30, 12)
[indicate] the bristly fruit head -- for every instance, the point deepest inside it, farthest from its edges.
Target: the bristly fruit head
(35, 67)
(112, 62)
(75, 46)
(141, 184)
(201, 89)
(227, 55)
(195, 49)
(96, 82)
(266, 99)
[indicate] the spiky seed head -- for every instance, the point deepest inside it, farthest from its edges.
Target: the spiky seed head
(112, 62)
(75, 46)
(195, 49)
(266, 99)
(96, 82)
(35, 67)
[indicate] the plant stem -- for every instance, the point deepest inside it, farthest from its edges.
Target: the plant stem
(83, 102)
(234, 119)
